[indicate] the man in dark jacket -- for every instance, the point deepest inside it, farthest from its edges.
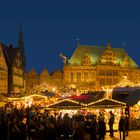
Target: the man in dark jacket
(122, 126)
(111, 122)
(101, 128)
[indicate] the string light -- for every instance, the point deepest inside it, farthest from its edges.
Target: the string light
(92, 103)
(69, 100)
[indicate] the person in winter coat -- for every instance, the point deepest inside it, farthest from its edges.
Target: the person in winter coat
(93, 128)
(66, 125)
(23, 129)
(111, 122)
(101, 128)
(122, 126)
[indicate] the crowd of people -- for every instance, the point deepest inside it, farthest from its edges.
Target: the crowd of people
(29, 124)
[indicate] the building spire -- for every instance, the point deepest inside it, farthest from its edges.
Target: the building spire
(108, 45)
(78, 42)
(20, 38)
(20, 44)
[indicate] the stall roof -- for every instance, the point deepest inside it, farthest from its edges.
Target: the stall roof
(127, 88)
(133, 99)
(37, 96)
(88, 98)
(65, 103)
(106, 102)
(120, 96)
(129, 97)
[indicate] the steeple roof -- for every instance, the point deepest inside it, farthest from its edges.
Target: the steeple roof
(108, 45)
(20, 45)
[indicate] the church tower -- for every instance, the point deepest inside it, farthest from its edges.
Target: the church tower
(17, 67)
(21, 47)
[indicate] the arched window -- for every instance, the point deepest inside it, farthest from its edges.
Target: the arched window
(78, 76)
(85, 76)
(71, 77)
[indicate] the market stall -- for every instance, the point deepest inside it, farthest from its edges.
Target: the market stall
(106, 105)
(66, 106)
(34, 99)
(133, 102)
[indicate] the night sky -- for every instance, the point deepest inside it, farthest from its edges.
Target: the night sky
(50, 27)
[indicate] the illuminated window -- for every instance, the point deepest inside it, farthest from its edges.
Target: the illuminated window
(86, 60)
(78, 77)
(85, 76)
(71, 77)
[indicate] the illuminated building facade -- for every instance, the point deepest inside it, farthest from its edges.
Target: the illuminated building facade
(44, 80)
(12, 67)
(89, 68)
(93, 67)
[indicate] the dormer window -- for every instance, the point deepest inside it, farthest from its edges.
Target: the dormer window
(86, 60)
(126, 62)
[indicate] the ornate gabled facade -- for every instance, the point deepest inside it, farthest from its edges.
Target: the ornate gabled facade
(108, 56)
(32, 79)
(89, 68)
(97, 66)
(57, 78)
(17, 67)
(44, 76)
(44, 80)
(13, 61)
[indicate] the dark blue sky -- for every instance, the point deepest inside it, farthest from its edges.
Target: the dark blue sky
(51, 27)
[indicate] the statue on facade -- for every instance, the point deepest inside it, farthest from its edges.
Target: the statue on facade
(65, 59)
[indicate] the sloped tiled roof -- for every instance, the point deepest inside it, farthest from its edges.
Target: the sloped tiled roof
(88, 98)
(128, 95)
(122, 93)
(6, 55)
(133, 98)
(95, 52)
(11, 53)
(66, 103)
(120, 96)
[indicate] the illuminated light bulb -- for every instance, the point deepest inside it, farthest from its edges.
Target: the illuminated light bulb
(54, 89)
(138, 103)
